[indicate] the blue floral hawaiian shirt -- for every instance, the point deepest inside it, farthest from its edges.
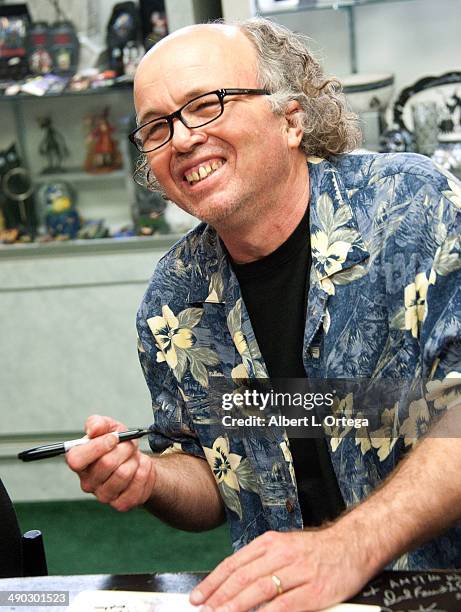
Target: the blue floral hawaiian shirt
(384, 302)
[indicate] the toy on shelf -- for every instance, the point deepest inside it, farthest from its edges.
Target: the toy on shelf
(38, 48)
(122, 37)
(62, 220)
(103, 154)
(153, 21)
(52, 146)
(16, 199)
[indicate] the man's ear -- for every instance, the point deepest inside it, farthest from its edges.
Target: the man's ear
(293, 124)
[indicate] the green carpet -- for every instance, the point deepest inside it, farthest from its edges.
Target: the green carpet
(86, 537)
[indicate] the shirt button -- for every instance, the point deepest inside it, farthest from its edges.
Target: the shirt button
(289, 505)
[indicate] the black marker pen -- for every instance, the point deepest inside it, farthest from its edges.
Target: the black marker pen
(59, 448)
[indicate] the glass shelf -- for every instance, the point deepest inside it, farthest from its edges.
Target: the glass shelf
(96, 91)
(269, 7)
(76, 175)
(87, 247)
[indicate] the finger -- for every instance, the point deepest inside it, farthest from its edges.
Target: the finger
(80, 457)
(140, 488)
(262, 589)
(297, 600)
(97, 473)
(257, 548)
(118, 481)
(240, 581)
(97, 425)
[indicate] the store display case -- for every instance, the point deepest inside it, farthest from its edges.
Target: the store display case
(271, 8)
(370, 46)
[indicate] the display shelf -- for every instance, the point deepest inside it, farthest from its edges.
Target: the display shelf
(87, 247)
(97, 91)
(100, 195)
(78, 176)
(268, 7)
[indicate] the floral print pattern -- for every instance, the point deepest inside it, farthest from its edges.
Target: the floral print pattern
(384, 304)
(415, 303)
(223, 463)
(230, 472)
(174, 340)
(169, 336)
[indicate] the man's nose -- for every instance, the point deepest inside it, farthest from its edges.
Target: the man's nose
(184, 138)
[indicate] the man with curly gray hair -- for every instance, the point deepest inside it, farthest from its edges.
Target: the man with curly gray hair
(288, 71)
(310, 262)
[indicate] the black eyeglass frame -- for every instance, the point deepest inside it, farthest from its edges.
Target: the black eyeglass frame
(221, 93)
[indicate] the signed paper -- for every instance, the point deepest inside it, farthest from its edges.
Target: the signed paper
(134, 601)
(130, 601)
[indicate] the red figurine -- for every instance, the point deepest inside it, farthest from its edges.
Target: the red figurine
(103, 153)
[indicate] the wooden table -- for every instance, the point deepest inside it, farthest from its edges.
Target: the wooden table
(436, 591)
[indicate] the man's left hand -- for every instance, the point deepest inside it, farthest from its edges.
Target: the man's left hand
(296, 571)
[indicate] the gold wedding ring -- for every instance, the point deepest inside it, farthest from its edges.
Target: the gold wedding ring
(278, 583)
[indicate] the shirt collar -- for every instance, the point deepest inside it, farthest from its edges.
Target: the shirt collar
(336, 241)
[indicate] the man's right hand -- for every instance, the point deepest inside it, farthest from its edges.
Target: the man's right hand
(117, 474)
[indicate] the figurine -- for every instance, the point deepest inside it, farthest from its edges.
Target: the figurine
(103, 153)
(396, 140)
(159, 29)
(62, 220)
(52, 146)
(17, 203)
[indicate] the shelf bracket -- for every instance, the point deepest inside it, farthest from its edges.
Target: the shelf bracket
(352, 38)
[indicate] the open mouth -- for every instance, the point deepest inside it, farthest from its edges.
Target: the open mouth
(203, 171)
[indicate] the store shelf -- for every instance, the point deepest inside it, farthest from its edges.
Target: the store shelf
(97, 91)
(268, 8)
(79, 176)
(87, 247)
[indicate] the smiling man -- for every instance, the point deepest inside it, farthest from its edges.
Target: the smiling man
(256, 168)
(310, 262)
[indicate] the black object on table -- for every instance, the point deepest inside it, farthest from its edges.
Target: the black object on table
(436, 591)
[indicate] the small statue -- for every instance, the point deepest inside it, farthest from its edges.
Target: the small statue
(62, 219)
(52, 146)
(17, 202)
(103, 153)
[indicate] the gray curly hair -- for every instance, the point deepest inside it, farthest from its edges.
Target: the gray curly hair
(287, 68)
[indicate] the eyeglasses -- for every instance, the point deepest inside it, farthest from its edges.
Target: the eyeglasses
(194, 114)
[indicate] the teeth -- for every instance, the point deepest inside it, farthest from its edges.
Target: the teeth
(203, 172)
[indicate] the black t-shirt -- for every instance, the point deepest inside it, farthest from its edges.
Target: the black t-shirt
(274, 290)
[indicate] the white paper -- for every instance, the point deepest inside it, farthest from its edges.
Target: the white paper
(137, 601)
(130, 601)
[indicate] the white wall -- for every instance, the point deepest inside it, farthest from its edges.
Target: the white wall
(68, 351)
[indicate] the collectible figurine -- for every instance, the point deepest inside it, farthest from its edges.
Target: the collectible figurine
(17, 203)
(159, 29)
(52, 146)
(62, 220)
(38, 44)
(103, 153)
